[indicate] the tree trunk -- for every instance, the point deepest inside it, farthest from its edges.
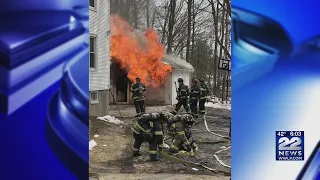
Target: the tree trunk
(193, 31)
(228, 85)
(135, 14)
(165, 24)
(153, 19)
(221, 50)
(148, 13)
(223, 87)
(189, 30)
(215, 12)
(171, 25)
(227, 45)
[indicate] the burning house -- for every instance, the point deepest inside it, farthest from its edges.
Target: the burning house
(139, 54)
(163, 94)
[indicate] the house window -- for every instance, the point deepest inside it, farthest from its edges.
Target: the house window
(93, 53)
(92, 4)
(94, 97)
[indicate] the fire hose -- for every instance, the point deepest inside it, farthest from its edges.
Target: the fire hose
(207, 128)
(215, 155)
(176, 159)
(218, 159)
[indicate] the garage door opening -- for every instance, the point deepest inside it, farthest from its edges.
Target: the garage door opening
(120, 83)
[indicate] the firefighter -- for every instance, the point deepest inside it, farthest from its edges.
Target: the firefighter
(138, 90)
(195, 95)
(148, 128)
(203, 98)
(182, 97)
(179, 128)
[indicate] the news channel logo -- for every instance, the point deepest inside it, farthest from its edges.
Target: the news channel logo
(289, 145)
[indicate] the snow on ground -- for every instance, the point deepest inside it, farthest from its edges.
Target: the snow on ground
(110, 119)
(92, 144)
(96, 136)
(215, 103)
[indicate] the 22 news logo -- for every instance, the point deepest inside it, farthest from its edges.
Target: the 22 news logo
(289, 145)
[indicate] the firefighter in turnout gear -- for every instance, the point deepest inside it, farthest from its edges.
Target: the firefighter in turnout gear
(195, 95)
(182, 97)
(203, 98)
(138, 97)
(148, 128)
(179, 128)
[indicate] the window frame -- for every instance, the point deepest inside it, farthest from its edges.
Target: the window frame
(94, 7)
(94, 101)
(95, 68)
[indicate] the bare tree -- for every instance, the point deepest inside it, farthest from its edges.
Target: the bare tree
(171, 25)
(190, 3)
(148, 12)
(135, 14)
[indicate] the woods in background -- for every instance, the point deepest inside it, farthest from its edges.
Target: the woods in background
(196, 30)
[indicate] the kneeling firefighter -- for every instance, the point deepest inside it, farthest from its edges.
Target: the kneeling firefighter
(179, 128)
(148, 128)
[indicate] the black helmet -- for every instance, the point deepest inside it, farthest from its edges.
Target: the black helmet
(165, 116)
(188, 120)
(138, 78)
(201, 80)
(195, 80)
(180, 80)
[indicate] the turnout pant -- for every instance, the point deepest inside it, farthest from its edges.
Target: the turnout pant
(139, 139)
(194, 106)
(178, 145)
(202, 107)
(158, 132)
(140, 107)
(182, 102)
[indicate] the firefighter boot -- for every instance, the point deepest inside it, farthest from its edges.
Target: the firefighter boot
(154, 157)
(136, 153)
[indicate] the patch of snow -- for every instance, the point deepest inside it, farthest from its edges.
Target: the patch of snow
(104, 145)
(195, 169)
(96, 136)
(218, 105)
(110, 119)
(92, 144)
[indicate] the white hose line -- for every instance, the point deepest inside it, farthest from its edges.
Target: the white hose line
(219, 160)
(215, 155)
(222, 150)
(207, 128)
(222, 163)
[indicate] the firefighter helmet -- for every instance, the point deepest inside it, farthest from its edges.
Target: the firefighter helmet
(188, 120)
(195, 80)
(138, 78)
(165, 116)
(201, 80)
(180, 80)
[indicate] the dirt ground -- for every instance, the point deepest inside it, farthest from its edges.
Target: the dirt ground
(162, 176)
(113, 153)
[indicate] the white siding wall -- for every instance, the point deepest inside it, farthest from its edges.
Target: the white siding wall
(175, 75)
(168, 90)
(100, 27)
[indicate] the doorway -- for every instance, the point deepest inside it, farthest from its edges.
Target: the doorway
(120, 83)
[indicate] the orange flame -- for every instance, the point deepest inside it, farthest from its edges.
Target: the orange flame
(140, 54)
